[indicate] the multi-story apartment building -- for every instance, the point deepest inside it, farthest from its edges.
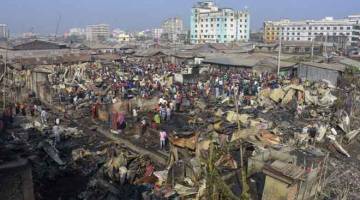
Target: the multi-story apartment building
(172, 28)
(156, 33)
(77, 32)
(97, 32)
(211, 24)
(4, 31)
(330, 29)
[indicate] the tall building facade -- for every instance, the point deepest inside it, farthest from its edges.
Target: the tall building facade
(97, 32)
(77, 32)
(211, 24)
(4, 31)
(156, 33)
(346, 30)
(172, 28)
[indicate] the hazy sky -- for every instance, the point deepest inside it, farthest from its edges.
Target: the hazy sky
(42, 15)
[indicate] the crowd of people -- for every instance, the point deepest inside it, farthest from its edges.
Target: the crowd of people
(148, 80)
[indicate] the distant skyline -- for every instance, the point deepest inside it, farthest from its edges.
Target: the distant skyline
(41, 16)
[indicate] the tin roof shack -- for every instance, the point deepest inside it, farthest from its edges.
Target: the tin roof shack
(255, 62)
(39, 45)
(38, 82)
(320, 71)
(291, 175)
(16, 181)
(282, 181)
(227, 62)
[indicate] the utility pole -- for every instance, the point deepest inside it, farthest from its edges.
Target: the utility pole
(279, 56)
(5, 71)
(312, 50)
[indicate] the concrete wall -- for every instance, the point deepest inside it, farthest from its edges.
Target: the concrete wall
(316, 74)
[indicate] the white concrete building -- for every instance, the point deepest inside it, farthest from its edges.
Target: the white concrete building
(157, 32)
(211, 24)
(173, 27)
(329, 29)
(4, 31)
(77, 32)
(97, 32)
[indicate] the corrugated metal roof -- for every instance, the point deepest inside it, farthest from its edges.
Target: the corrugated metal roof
(232, 61)
(330, 66)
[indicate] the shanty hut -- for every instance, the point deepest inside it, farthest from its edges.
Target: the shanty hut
(320, 71)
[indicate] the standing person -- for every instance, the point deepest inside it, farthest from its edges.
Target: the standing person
(32, 110)
(178, 99)
(135, 114)
(143, 126)
(43, 117)
(168, 113)
(17, 108)
(157, 120)
(163, 137)
(56, 133)
(23, 109)
(163, 113)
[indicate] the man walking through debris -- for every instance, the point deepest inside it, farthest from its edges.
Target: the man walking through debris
(163, 137)
(43, 117)
(56, 131)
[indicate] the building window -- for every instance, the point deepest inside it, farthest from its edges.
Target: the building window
(341, 28)
(218, 25)
(316, 28)
(304, 28)
(245, 20)
(224, 36)
(211, 19)
(309, 33)
(335, 28)
(202, 26)
(207, 25)
(321, 28)
(232, 19)
(334, 34)
(328, 28)
(240, 20)
(348, 28)
(298, 28)
(293, 33)
(309, 39)
(232, 36)
(288, 28)
(298, 33)
(219, 36)
(212, 25)
(225, 25)
(347, 34)
(310, 28)
(231, 25)
(218, 19)
(202, 20)
(207, 19)
(195, 26)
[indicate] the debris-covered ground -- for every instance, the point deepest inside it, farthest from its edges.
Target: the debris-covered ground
(226, 135)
